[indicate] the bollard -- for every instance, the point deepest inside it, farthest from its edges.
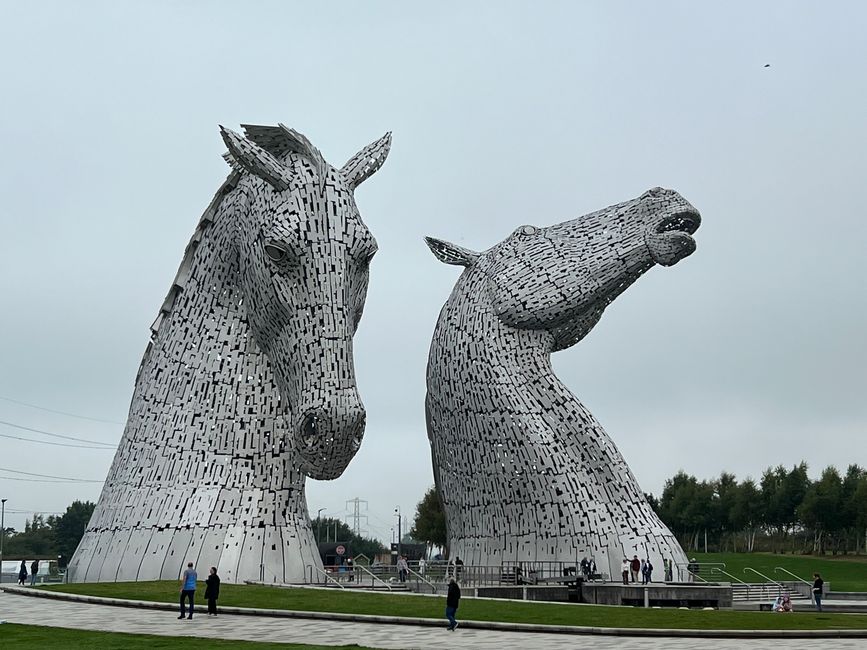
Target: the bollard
(646, 598)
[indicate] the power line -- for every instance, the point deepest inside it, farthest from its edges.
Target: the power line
(72, 415)
(33, 512)
(56, 444)
(53, 435)
(33, 480)
(62, 478)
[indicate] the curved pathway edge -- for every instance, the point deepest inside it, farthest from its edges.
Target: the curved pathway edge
(434, 622)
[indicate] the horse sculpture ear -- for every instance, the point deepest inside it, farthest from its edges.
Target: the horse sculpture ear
(449, 253)
(250, 156)
(366, 162)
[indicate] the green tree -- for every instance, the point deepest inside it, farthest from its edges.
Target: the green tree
(852, 529)
(821, 508)
(746, 513)
(70, 527)
(36, 540)
(859, 499)
(429, 524)
(726, 491)
(330, 529)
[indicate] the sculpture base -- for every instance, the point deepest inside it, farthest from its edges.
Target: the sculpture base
(268, 554)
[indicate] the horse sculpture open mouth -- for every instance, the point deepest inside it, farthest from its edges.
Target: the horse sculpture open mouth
(670, 240)
(687, 222)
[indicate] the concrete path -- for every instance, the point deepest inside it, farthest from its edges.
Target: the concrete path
(53, 613)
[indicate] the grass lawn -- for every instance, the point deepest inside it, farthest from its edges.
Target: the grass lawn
(36, 636)
(844, 572)
(323, 600)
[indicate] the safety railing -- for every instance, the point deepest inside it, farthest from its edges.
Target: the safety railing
(780, 587)
(694, 570)
(325, 574)
(798, 578)
(373, 578)
(726, 573)
(420, 577)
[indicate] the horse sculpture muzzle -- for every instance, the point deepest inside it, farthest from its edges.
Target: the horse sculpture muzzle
(328, 435)
(669, 240)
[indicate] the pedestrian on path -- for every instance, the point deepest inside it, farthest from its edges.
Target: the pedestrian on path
(818, 586)
(22, 573)
(624, 571)
(188, 589)
(34, 569)
(635, 566)
(453, 599)
(212, 591)
(402, 568)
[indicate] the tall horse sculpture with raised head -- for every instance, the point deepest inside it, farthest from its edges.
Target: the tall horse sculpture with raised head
(247, 385)
(524, 471)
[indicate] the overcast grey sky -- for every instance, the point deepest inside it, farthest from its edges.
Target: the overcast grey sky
(746, 354)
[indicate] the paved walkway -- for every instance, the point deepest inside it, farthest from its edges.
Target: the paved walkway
(53, 613)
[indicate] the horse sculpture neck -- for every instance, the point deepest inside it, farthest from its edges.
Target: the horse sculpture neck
(524, 471)
(205, 413)
(248, 383)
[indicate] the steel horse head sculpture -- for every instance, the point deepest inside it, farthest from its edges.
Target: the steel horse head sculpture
(248, 384)
(524, 471)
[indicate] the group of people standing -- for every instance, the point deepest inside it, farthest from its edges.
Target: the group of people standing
(188, 591)
(630, 570)
(22, 572)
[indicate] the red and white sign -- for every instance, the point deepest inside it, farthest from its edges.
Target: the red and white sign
(340, 550)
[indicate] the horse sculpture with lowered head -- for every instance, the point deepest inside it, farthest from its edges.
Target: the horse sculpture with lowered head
(524, 471)
(247, 385)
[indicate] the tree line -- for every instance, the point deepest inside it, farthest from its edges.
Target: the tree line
(329, 529)
(52, 536)
(784, 511)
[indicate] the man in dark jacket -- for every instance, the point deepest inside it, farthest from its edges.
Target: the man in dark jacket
(452, 600)
(212, 591)
(818, 588)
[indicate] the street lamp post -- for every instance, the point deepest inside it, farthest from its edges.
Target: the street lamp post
(397, 513)
(2, 533)
(319, 525)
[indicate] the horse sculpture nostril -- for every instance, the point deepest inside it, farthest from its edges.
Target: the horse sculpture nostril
(308, 429)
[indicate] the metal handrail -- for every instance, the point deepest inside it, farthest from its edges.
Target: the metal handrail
(370, 573)
(324, 573)
(697, 574)
(800, 579)
(714, 569)
(423, 579)
(780, 586)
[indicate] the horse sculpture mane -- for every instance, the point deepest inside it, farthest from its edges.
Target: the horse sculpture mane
(247, 384)
(525, 472)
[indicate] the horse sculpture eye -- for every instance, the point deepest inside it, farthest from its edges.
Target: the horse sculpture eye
(276, 253)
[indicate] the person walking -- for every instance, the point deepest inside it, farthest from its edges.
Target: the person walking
(459, 567)
(212, 591)
(453, 599)
(402, 568)
(22, 573)
(818, 586)
(34, 569)
(188, 589)
(635, 566)
(648, 572)
(624, 571)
